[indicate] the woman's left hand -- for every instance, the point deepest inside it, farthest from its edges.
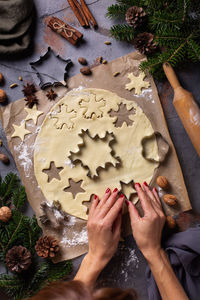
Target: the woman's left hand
(104, 226)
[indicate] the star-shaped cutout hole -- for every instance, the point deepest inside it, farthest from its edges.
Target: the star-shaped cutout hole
(122, 115)
(53, 171)
(20, 131)
(137, 83)
(33, 114)
(74, 187)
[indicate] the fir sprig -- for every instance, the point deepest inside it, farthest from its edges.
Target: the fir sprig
(23, 230)
(174, 24)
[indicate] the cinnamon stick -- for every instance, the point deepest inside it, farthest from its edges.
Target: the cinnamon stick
(79, 13)
(65, 30)
(88, 14)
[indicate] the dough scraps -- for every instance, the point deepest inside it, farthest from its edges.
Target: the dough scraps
(58, 144)
(20, 131)
(137, 83)
(33, 114)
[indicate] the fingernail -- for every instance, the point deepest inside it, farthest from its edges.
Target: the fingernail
(95, 197)
(138, 184)
(155, 190)
(127, 202)
(122, 196)
(145, 183)
(108, 190)
(115, 190)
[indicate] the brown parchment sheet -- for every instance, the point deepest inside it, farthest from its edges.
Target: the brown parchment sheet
(73, 236)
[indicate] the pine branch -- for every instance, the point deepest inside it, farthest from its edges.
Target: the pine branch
(19, 198)
(11, 285)
(10, 183)
(122, 32)
(193, 50)
(116, 11)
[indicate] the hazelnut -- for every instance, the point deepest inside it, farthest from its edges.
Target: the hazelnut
(4, 158)
(82, 61)
(170, 200)
(171, 223)
(2, 96)
(5, 214)
(1, 78)
(85, 71)
(162, 182)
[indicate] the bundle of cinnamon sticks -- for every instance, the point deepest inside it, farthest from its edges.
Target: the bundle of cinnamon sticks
(82, 13)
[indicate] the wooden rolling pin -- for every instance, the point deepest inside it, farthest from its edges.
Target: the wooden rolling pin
(186, 107)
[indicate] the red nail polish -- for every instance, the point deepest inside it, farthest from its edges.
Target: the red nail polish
(138, 184)
(155, 190)
(127, 202)
(115, 190)
(145, 183)
(108, 190)
(95, 197)
(122, 196)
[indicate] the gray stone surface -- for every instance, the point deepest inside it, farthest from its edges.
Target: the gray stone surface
(127, 267)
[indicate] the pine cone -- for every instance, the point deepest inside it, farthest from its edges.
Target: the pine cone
(144, 43)
(18, 259)
(5, 214)
(47, 246)
(135, 16)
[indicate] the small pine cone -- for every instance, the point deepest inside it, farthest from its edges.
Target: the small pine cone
(47, 246)
(144, 43)
(5, 214)
(135, 16)
(18, 259)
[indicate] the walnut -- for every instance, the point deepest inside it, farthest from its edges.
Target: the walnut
(162, 182)
(170, 200)
(2, 96)
(171, 223)
(85, 71)
(5, 214)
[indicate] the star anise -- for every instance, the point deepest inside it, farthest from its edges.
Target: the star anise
(31, 101)
(51, 95)
(29, 89)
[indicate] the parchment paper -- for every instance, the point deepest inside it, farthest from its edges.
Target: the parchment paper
(73, 237)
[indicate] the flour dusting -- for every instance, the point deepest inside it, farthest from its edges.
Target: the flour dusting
(147, 94)
(25, 154)
(78, 238)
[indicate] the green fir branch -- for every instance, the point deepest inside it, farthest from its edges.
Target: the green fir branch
(122, 32)
(10, 183)
(116, 11)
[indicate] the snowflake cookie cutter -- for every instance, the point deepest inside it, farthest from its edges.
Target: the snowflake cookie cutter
(109, 158)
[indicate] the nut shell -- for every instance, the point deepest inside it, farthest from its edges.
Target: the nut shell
(171, 223)
(4, 158)
(82, 61)
(2, 96)
(5, 214)
(162, 182)
(85, 71)
(170, 200)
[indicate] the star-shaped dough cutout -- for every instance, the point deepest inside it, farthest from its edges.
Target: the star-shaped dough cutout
(33, 114)
(64, 117)
(20, 131)
(137, 83)
(92, 106)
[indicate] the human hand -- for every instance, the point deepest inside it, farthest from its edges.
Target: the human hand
(147, 230)
(104, 227)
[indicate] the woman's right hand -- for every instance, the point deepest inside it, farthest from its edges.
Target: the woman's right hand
(147, 230)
